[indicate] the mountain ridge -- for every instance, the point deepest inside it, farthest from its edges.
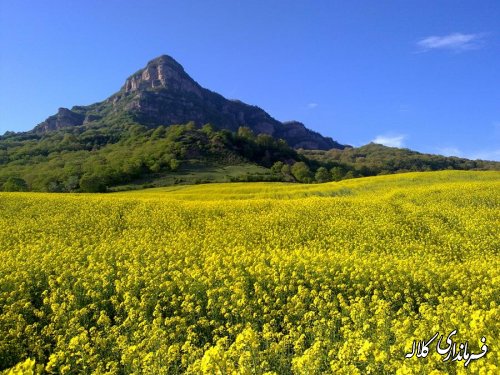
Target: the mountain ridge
(162, 93)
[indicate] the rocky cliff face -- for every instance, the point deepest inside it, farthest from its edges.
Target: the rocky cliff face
(300, 137)
(163, 94)
(162, 73)
(62, 119)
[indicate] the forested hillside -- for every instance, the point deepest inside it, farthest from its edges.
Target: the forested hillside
(129, 156)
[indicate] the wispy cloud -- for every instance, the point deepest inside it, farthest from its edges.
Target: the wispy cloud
(456, 42)
(390, 141)
(486, 155)
(472, 155)
(312, 105)
(404, 108)
(449, 151)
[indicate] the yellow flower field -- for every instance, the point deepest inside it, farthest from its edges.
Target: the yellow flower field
(253, 278)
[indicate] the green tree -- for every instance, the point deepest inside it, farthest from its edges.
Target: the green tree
(265, 140)
(156, 167)
(337, 173)
(277, 167)
(54, 186)
(208, 129)
(158, 133)
(71, 183)
(190, 126)
(322, 175)
(174, 164)
(15, 184)
(246, 133)
(92, 184)
(301, 172)
(286, 170)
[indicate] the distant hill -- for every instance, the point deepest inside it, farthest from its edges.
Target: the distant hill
(375, 159)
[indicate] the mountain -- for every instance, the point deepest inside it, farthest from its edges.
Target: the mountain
(163, 94)
(162, 128)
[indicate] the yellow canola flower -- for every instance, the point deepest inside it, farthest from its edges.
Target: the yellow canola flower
(257, 278)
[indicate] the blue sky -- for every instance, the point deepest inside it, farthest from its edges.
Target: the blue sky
(418, 74)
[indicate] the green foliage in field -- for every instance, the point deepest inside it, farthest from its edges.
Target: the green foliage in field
(252, 278)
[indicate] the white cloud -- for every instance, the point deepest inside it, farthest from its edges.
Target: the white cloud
(486, 155)
(404, 108)
(312, 105)
(454, 42)
(482, 155)
(390, 141)
(449, 151)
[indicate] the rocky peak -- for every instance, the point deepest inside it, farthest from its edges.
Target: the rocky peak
(299, 136)
(63, 119)
(162, 93)
(162, 73)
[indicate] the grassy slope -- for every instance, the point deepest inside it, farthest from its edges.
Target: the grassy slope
(195, 172)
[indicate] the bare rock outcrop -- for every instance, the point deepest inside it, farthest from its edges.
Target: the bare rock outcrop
(64, 118)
